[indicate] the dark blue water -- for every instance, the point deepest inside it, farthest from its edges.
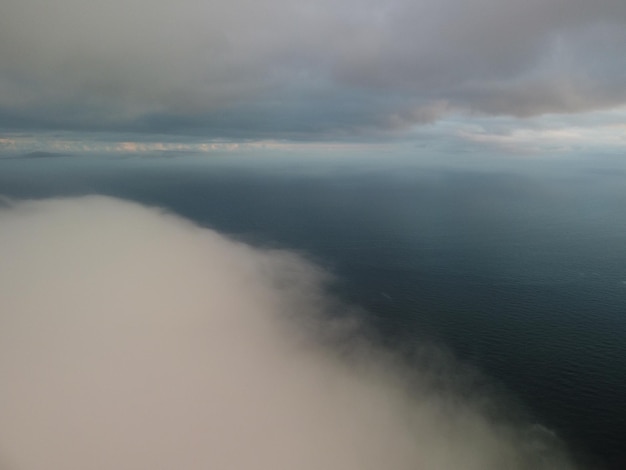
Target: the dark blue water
(519, 269)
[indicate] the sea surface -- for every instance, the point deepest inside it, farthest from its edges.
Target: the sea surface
(516, 267)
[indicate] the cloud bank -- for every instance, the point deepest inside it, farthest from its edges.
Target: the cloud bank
(297, 69)
(132, 339)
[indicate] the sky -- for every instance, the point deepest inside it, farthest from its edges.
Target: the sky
(137, 75)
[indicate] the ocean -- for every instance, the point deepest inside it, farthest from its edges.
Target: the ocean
(517, 268)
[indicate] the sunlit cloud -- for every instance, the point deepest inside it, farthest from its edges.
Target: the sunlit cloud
(77, 144)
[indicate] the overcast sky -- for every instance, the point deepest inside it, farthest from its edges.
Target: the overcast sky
(492, 72)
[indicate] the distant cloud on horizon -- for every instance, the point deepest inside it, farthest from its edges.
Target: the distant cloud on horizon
(298, 70)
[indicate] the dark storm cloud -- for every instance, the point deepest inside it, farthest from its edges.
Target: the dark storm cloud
(295, 69)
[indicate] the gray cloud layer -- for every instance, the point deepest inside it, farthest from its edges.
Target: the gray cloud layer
(284, 68)
(130, 339)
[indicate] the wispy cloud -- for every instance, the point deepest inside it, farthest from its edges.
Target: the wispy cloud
(599, 132)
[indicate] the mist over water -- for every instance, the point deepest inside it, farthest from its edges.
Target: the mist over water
(134, 339)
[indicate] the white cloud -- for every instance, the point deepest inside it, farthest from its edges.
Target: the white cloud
(132, 339)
